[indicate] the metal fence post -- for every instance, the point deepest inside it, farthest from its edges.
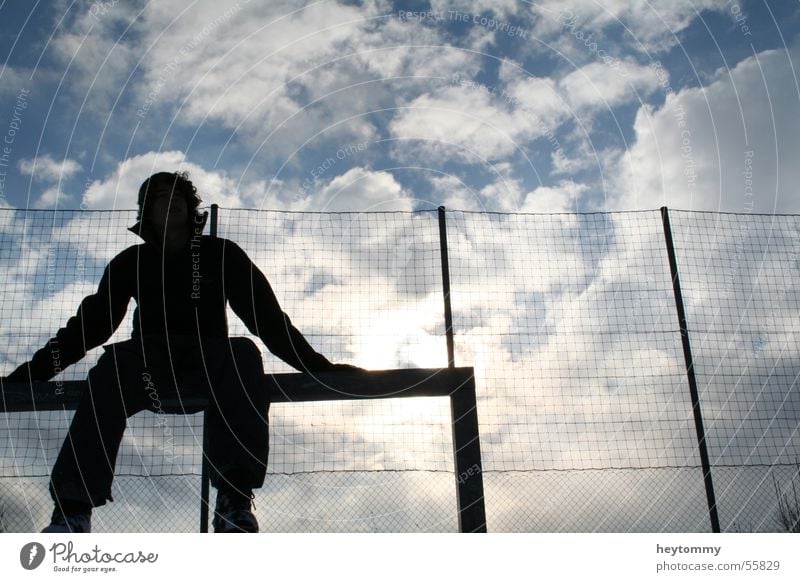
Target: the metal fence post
(687, 355)
(204, 471)
(464, 413)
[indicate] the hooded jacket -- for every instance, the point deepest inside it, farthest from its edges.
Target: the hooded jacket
(185, 293)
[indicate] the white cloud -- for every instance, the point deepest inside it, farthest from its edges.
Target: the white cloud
(655, 24)
(46, 169)
(250, 67)
(504, 193)
(478, 123)
(408, 49)
(13, 80)
(49, 198)
(502, 8)
(598, 86)
(562, 197)
(120, 189)
(282, 78)
(454, 193)
(98, 60)
(360, 189)
(581, 159)
(693, 152)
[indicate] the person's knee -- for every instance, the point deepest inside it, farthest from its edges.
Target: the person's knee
(244, 347)
(119, 380)
(249, 368)
(105, 376)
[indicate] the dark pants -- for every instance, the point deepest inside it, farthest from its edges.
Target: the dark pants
(128, 379)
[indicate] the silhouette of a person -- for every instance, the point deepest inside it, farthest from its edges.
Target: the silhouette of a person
(181, 281)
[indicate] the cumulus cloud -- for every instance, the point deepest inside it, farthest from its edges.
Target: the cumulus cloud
(724, 146)
(655, 25)
(501, 8)
(455, 193)
(478, 123)
(360, 189)
(596, 86)
(504, 191)
(578, 309)
(120, 189)
(562, 197)
(282, 78)
(46, 169)
(99, 61)
(13, 79)
(48, 199)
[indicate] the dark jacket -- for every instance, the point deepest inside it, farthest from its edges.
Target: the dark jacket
(184, 294)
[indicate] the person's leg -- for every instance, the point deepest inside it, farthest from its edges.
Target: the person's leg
(238, 429)
(84, 470)
(232, 371)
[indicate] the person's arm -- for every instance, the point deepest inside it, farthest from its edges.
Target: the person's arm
(97, 318)
(251, 297)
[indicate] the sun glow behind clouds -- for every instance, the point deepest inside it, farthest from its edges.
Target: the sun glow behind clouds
(403, 336)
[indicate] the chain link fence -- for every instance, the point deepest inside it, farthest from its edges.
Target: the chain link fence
(569, 321)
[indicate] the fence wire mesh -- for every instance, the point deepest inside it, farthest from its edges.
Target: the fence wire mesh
(740, 275)
(569, 321)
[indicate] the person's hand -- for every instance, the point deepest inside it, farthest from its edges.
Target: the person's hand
(18, 375)
(13, 379)
(348, 367)
(15, 376)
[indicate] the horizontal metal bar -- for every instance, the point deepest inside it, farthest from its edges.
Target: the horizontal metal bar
(290, 387)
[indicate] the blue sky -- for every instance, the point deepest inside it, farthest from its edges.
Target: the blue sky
(513, 106)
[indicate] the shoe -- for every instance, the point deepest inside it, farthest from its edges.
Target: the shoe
(80, 522)
(232, 513)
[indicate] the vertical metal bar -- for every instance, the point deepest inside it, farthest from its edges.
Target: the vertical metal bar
(448, 313)
(464, 412)
(687, 355)
(204, 479)
(213, 220)
(204, 471)
(468, 467)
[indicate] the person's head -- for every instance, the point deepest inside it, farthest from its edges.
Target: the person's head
(168, 199)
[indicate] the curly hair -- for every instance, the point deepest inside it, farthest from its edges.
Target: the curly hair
(178, 182)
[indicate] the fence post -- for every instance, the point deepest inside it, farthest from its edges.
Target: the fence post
(687, 355)
(204, 471)
(464, 413)
(448, 313)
